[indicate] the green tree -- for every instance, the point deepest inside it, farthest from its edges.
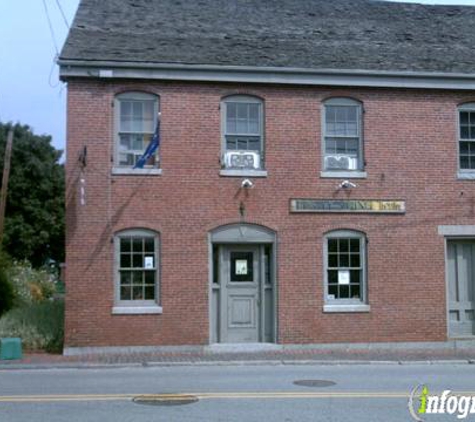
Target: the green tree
(7, 294)
(34, 223)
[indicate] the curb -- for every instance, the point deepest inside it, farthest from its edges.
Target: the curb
(59, 366)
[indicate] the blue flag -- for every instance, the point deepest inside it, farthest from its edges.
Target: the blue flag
(151, 149)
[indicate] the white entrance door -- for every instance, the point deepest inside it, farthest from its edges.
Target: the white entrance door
(240, 294)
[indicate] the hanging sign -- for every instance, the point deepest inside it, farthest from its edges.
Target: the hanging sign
(343, 277)
(241, 266)
(148, 262)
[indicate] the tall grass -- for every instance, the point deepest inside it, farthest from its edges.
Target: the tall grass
(40, 325)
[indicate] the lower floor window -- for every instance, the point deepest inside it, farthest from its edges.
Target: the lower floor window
(137, 275)
(345, 272)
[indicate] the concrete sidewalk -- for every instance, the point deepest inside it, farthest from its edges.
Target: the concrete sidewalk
(336, 354)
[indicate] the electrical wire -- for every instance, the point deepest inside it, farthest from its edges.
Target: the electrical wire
(53, 36)
(51, 73)
(62, 14)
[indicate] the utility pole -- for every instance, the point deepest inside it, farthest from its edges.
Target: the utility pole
(6, 175)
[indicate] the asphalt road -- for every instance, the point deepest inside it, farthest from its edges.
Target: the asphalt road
(226, 393)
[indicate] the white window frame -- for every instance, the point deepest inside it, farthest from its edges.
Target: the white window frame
(248, 99)
(133, 96)
(136, 306)
(346, 305)
(464, 173)
(359, 172)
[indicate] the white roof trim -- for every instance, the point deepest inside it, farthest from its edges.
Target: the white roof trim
(277, 75)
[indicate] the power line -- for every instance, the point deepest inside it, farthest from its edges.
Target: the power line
(53, 36)
(62, 14)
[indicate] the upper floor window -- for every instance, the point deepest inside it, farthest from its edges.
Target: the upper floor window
(345, 268)
(136, 123)
(342, 135)
(136, 257)
(242, 132)
(467, 137)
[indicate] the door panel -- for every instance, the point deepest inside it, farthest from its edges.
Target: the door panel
(242, 311)
(461, 279)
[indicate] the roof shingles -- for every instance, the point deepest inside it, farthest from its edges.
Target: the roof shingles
(312, 34)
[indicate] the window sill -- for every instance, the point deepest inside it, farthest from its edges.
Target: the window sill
(346, 308)
(136, 310)
(344, 174)
(243, 173)
(466, 175)
(136, 172)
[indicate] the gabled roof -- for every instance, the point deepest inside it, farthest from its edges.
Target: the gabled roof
(308, 34)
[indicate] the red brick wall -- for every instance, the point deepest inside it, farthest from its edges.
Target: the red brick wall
(411, 154)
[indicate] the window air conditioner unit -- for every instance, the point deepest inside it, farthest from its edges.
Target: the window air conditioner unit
(340, 162)
(242, 160)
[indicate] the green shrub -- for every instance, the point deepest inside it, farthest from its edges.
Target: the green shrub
(30, 285)
(7, 293)
(39, 325)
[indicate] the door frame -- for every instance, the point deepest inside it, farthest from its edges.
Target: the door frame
(447, 239)
(242, 234)
(452, 232)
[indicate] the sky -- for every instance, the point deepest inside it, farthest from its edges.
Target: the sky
(30, 90)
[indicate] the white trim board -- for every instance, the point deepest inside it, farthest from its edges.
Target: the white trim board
(456, 231)
(252, 74)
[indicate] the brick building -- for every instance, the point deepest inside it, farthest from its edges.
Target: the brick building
(314, 181)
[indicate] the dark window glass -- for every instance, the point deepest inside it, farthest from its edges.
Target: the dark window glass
(149, 244)
(344, 292)
(465, 147)
(267, 261)
(333, 260)
(137, 277)
(149, 292)
(125, 293)
(137, 244)
(332, 245)
(354, 245)
(215, 264)
(333, 290)
(355, 276)
(344, 245)
(463, 117)
(464, 162)
(125, 245)
(354, 260)
(465, 132)
(355, 291)
(125, 261)
(333, 276)
(137, 261)
(137, 293)
(125, 277)
(344, 260)
(150, 277)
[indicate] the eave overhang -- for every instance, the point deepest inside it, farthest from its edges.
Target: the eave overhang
(268, 75)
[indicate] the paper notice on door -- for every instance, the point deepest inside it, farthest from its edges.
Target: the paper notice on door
(148, 262)
(241, 266)
(343, 277)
